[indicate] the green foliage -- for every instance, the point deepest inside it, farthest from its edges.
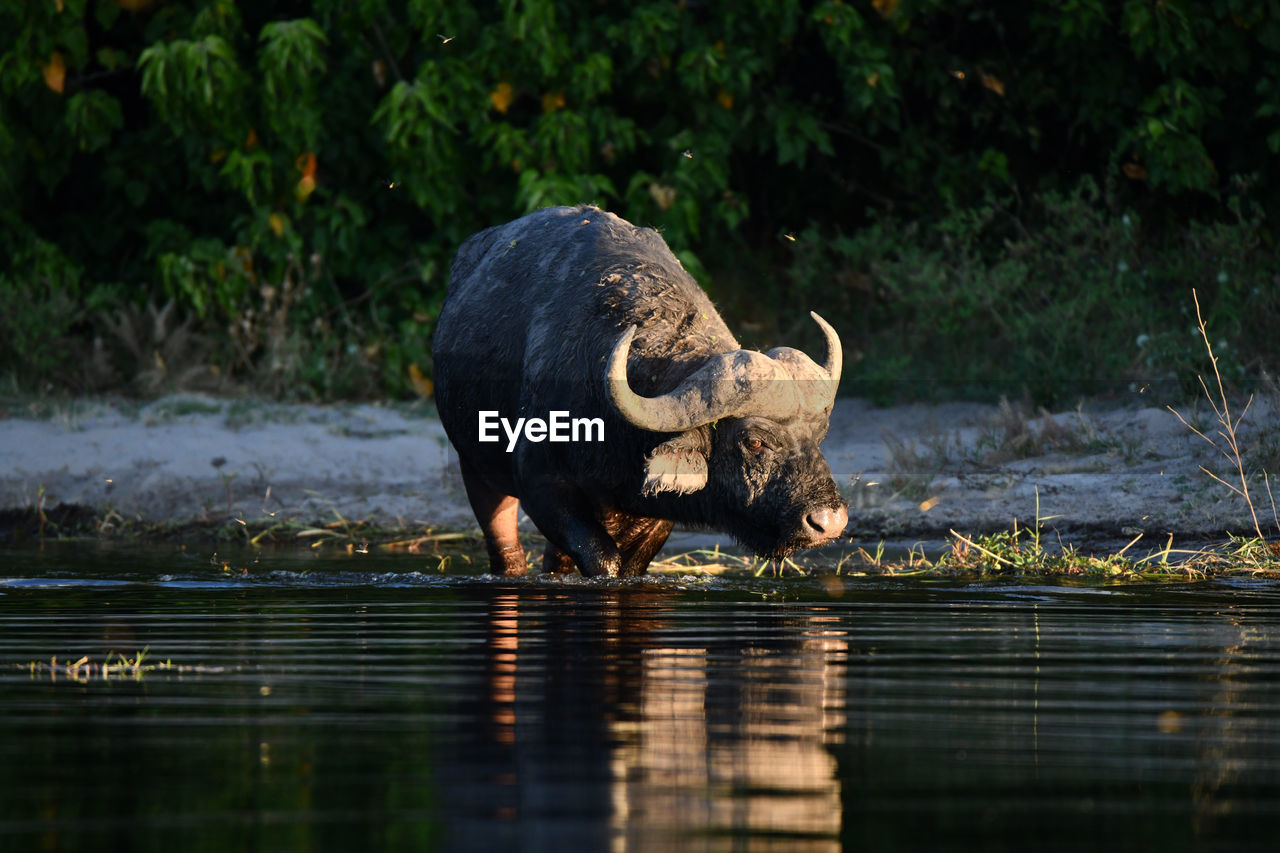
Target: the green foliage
(193, 84)
(40, 311)
(295, 177)
(291, 63)
(1052, 297)
(93, 117)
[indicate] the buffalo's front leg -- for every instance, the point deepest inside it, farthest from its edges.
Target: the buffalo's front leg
(639, 539)
(497, 514)
(555, 561)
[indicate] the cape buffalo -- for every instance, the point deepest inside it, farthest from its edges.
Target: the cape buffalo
(573, 317)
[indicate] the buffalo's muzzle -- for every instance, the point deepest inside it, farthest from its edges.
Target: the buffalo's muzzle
(826, 523)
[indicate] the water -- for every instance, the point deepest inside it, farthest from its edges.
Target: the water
(370, 702)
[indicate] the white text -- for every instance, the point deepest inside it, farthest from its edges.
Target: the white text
(557, 427)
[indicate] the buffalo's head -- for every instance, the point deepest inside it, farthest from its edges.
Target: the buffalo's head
(747, 426)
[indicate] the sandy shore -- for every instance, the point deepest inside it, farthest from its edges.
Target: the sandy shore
(1102, 473)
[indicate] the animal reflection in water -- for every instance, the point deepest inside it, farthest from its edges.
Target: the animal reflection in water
(588, 709)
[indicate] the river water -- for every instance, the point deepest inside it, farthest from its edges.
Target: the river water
(361, 702)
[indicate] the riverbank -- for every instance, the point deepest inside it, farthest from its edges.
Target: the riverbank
(1101, 473)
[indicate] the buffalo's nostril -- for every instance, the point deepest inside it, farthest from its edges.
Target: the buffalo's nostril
(827, 523)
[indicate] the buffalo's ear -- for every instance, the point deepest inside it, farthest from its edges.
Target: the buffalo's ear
(678, 465)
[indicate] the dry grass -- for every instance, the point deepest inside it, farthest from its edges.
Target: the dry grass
(1014, 431)
(1226, 438)
(149, 351)
(1019, 432)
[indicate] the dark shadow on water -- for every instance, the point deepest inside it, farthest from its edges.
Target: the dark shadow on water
(373, 702)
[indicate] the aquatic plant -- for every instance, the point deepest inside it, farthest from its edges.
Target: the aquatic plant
(115, 666)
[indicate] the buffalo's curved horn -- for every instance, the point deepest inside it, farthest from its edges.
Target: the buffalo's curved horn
(778, 385)
(835, 354)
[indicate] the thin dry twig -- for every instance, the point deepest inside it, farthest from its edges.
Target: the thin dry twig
(1229, 425)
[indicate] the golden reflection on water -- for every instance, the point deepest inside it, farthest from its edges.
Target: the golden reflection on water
(723, 747)
(771, 779)
(504, 641)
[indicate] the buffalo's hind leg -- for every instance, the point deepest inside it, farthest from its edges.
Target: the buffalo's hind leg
(497, 514)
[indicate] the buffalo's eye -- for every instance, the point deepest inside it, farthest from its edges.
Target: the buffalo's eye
(753, 444)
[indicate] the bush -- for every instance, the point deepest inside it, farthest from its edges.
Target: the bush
(39, 313)
(1053, 298)
(294, 177)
